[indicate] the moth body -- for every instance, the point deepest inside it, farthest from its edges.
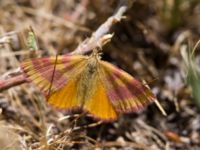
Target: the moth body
(87, 80)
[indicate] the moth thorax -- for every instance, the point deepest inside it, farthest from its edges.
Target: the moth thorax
(87, 83)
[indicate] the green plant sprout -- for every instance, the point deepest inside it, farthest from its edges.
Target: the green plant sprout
(31, 40)
(193, 75)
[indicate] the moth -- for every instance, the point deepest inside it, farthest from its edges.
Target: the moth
(87, 83)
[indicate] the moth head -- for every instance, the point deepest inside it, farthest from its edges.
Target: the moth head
(96, 54)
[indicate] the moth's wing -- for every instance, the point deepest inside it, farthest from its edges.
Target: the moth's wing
(65, 75)
(99, 105)
(40, 71)
(66, 97)
(124, 92)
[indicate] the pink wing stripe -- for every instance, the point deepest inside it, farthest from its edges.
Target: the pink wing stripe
(45, 68)
(134, 85)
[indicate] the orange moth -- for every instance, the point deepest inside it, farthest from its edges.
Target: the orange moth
(87, 83)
